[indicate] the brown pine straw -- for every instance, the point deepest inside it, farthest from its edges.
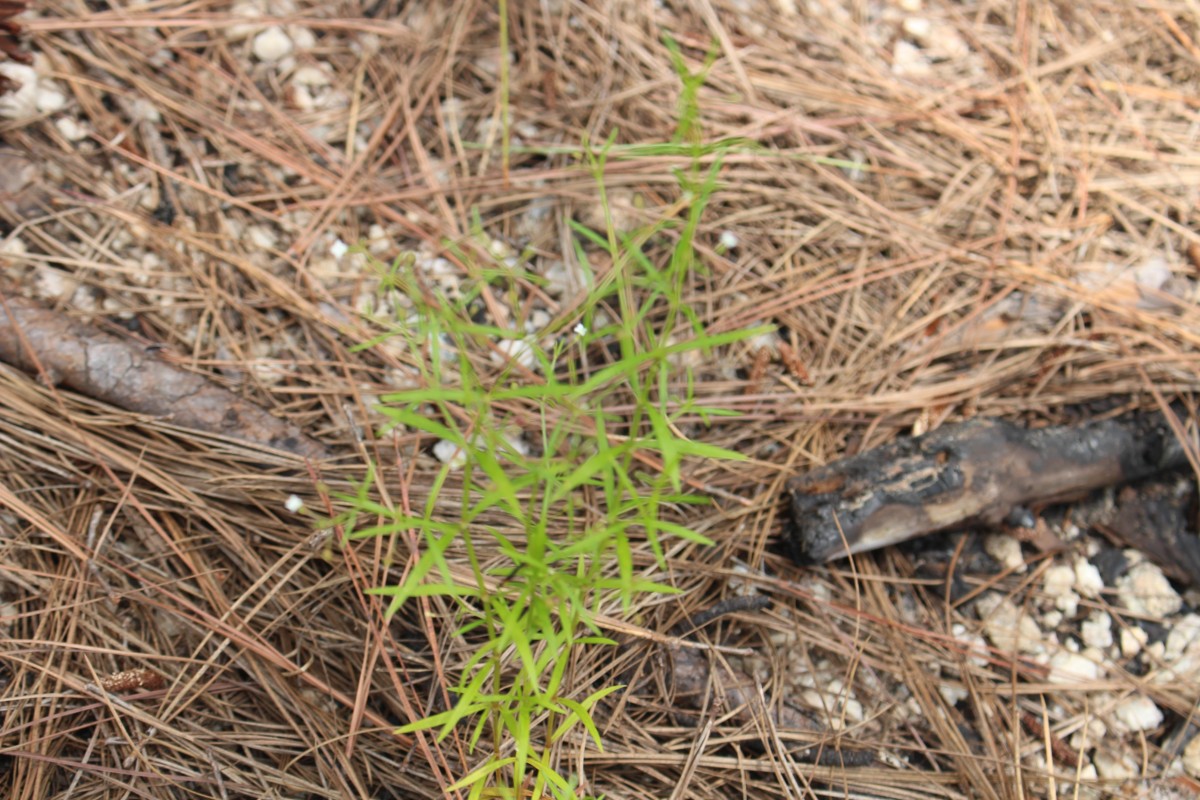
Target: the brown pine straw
(129, 547)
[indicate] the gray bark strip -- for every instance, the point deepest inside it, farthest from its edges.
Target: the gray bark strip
(124, 374)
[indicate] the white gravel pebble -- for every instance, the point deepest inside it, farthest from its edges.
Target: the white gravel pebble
(1132, 641)
(20, 103)
(1069, 668)
(310, 76)
(1096, 630)
(1191, 757)
(1068, 604)
(450, 454)
(1006, 550)
(13, 246)
(519, 350)
(1058, 580)
(50, 99)
(261, 237)
(272, 44)
(1184, 636)
(1114, 768)
(1088, 582)
(1008, 628)
(1145, 590)
(952, 693)
(1138, 713)
(70, 129)
(908, 61)
(244, 9)
(918, 29)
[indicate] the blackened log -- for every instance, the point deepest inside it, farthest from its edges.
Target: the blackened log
(1153, 517)
(974, 473)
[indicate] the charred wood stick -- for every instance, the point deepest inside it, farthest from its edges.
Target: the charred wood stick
(975, 473)
(127, 375)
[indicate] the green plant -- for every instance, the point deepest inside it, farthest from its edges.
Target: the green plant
(551, 534)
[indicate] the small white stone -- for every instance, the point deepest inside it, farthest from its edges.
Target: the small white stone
(563, 279)
(143, 110)
(310, 76)
(1138, 713)
(1132, 641)
(1071, 668)
(1145, 590)
(338, 249)
(1009, 628)
(908, 61)
(54, 284)
(1114, 768)
(1191, 757)
(519, 350)
(729, 240)
(1183, 635)
(1068, 604)
(516, 443)
(1052, 619)
(1088, 582)
(1087, 736)
(378, 241)
(294, 504)
(272, 44)
(1006, 550)
(70, 129)
(302, 99)
(853, 710)
(910, 5)
(449, 454)
(918, 29)
(527, 129)
(1058, 580)
(1096, 630)
(303, 38)
(262, 237)
(21, 102)
(952, 693)
(50, 99)
(13, 246)
(244, 9)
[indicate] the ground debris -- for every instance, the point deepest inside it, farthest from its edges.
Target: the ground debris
(696, 684)
(83, 358)
(976, 472)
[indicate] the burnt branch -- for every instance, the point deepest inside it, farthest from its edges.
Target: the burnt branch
(974, 473)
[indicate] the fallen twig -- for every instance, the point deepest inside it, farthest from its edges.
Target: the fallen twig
(978, 472)
(100, 365)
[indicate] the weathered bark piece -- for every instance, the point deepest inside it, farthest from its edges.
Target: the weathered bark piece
(102, 366)
(974, 473)
(1153, 518)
